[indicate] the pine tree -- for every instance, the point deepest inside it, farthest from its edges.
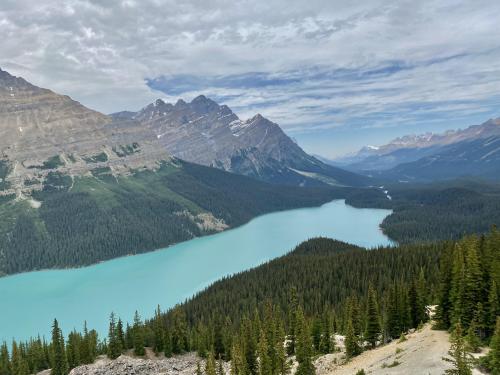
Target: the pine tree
(493, 307)
(473, 341)
(494, 354)
(444, 307)
(210, 364)
(138, 333)
(421, 299)
(59, 362)
(326, 344)
(238, 366)
(85, 346)
(457, 293)
(292, 317)
(167, 344)
(120, 335)
(250, 347)
(352, 347)
(73, 349)
(265, 366)
(114, 347)
(460, 358)
(372, 332)
(4, 360)
(316, 334)
(304, 347)
(158, 332)
(19, 365)
(472, 281)
(282, 365)
(179, 331)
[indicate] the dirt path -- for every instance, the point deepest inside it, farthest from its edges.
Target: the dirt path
(420, 354)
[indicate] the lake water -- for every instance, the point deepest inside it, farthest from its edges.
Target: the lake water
(30, 301)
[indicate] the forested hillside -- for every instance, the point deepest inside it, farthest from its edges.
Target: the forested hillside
(83, 220)
(433, 212)
(322, 287)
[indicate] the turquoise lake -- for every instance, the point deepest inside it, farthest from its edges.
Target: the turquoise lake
(30, 301)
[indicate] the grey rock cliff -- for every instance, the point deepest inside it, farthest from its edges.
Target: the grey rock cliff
(207, 133)
(38, 125)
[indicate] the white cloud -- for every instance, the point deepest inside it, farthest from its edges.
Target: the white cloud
(100, 52)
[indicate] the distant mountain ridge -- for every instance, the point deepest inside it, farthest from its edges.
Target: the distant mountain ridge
(474, 151)
(210, 134)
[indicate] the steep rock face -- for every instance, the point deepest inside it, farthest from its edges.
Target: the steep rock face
(206, 133)
(43, 132)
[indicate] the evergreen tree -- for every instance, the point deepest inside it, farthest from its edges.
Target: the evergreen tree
(19, 365)
(4, 360)
(210, 364)
(238, 365)
(265, 365)
(85, 346)
(179, 331)
(457, 293)
(444, 307)
(460, 358)
(292, 318)
(304, 347)
(167, 344)
(494, 354)
(316, 334)
(120, 335)
(250, 347)
(372, 332)
(473, 341)
(472, 281)
(59, 363)
(421, 299)
(351, 342)
(326, 344)
(114, 347)
(493, 307)
(159, 335)
(73, 349)
(281, 365)
(138, 332)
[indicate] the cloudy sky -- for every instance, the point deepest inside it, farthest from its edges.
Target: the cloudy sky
(335, 74)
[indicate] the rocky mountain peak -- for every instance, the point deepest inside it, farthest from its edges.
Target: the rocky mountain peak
(42, 131)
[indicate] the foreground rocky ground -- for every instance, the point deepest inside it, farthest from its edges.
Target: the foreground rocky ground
(125, 365)
(421, 353)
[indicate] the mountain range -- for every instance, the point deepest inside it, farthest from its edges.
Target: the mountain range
(78, 186)
(210, 134)
(471, 152)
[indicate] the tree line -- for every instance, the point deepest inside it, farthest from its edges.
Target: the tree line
(293, 306)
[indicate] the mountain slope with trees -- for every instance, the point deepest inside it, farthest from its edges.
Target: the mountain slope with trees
(293, 305)
(84, 220)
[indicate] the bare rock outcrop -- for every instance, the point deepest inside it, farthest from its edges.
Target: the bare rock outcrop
(124, 365)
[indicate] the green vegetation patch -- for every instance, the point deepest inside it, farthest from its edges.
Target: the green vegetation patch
(125, 150)
(53, 163)
(99, 158)
(5, 169)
